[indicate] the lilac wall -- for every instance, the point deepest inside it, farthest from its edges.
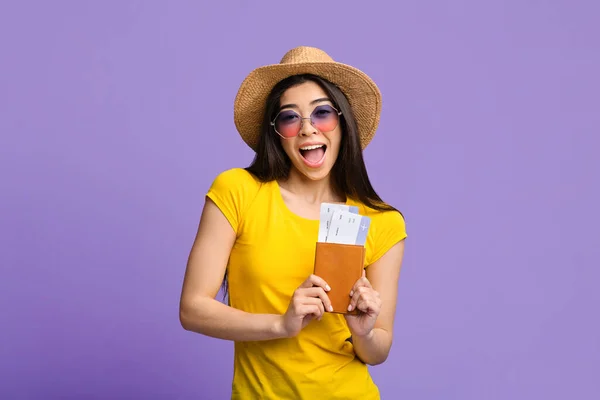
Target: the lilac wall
(116, 115)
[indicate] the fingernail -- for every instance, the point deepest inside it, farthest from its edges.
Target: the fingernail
(350, 307)
(351, 293)
(331, 308)
(327, 288)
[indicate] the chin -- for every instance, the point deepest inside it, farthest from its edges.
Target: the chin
(315, 175)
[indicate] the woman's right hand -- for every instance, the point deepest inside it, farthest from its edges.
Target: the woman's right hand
(309, 302)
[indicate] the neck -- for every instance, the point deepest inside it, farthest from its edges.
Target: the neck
(311, 191)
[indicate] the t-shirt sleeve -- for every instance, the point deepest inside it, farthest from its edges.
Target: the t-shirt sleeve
(233, 191)
(388, 228)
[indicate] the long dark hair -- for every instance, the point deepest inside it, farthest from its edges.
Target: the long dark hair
(349, 173)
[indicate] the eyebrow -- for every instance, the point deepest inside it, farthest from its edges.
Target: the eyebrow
(319, 100)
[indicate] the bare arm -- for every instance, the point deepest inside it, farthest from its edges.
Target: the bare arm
(200, 312)
(383, 275)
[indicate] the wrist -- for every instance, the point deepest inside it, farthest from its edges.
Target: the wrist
(278, 327)
(366, 337)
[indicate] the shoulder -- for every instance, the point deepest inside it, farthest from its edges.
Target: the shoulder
(381, 220)
(386, 229)
(233, 191)
(235, 178)
(235, 182)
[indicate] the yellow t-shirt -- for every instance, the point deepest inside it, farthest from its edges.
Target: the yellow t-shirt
(273, 254)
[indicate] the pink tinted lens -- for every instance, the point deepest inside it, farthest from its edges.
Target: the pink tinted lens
(324, 118)
(288, 123)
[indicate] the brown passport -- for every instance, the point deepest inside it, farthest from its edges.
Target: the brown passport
(340, 265)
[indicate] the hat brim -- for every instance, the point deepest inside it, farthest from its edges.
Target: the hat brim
(360, 90)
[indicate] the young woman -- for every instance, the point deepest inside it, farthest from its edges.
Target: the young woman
(308, 119)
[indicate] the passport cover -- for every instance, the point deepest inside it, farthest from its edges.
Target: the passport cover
(340, 265)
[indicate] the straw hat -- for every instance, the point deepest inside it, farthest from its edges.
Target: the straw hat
(362, 93)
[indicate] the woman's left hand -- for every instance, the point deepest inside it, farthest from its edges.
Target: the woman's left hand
(368, 303)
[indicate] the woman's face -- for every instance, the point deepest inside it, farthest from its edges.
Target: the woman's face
(313, 148)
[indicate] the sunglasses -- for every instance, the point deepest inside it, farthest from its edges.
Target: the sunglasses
(288, 123)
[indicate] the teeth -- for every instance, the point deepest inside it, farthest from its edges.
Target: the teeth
(316, 146)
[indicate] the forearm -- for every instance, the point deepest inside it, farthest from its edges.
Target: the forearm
(212, 318)
(373, 348)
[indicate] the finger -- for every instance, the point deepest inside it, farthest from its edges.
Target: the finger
(310, 309)
(314, 280)
(360, 293)
(361, 282)
(364, 281)
(315, 301)
(318, 292)
(365, 305)
(311, 301)
(321, 310)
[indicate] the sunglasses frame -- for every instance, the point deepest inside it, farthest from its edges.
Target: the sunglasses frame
(302, 120)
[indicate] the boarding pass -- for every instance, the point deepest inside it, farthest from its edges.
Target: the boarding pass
(341, 223)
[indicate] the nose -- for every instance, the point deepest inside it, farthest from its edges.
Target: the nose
(307, 128)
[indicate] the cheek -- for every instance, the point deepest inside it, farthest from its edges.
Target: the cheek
(335, 140)
(288, 147)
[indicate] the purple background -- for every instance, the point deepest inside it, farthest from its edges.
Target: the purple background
(115, 116)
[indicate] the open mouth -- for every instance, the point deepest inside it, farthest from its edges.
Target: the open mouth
(313, 154)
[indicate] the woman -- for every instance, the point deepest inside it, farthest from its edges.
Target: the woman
(308, 119)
